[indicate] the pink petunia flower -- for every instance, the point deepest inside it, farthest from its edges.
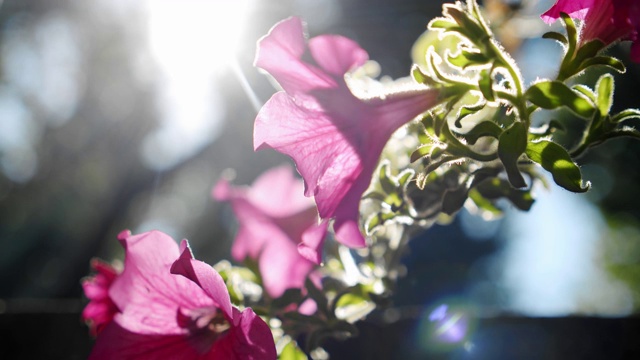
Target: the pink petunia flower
(175, 307)
(276, 220)
(605, 20)
(334, 137)
(100, 310)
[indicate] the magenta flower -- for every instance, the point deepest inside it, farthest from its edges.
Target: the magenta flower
(100, 310)
(334, 137)
(605, 20)
(277, 225)
(175, 307)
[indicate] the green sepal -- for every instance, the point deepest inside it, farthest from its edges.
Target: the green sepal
(554, 94)
(572, 33)
(556, 36)
(512, 144)
(556, 160)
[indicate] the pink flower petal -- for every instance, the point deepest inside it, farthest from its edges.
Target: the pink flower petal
(348, 54)
(204, 276)
(334, 138)
(274, 216)
(101, 309)
(577, 9)
(146, 293)
(279, 53)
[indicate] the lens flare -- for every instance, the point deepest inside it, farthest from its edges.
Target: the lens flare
(445, 327)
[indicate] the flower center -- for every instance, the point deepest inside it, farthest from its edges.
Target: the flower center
(204, 325)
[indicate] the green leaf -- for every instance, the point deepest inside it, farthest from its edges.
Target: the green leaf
(445, 24)
(386, 181)
(555, 159)
(556, 36)
(468, 110)
(295, 316)
(350, 299)
(485, 128)
(512, 144)
(625, 131)
(604, 89)
(468, 26)
(626, 115)
(587, 51)
(420, 77)
(485, 83)
(454, 200)
(608, 61)
(586, 91)
(291, 351)
(554, 94)
(495, 188)
(546, 129)
(432, 151)
(344, 327)
(484, 203)
(466, 58)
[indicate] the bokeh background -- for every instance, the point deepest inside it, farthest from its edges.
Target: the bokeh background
(122, 114)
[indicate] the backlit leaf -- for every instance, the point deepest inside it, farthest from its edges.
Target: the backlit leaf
(556, 160)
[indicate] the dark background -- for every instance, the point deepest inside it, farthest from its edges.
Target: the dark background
(89, 182)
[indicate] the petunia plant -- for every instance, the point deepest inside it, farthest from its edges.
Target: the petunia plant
(379, 161)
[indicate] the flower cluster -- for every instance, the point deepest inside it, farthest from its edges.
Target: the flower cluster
(170, 306)
(467, 140)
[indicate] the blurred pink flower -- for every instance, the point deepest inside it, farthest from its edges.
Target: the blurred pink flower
(278, 225)
(334, 137)
(100, 309)
(175, 307)
(606, 20)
